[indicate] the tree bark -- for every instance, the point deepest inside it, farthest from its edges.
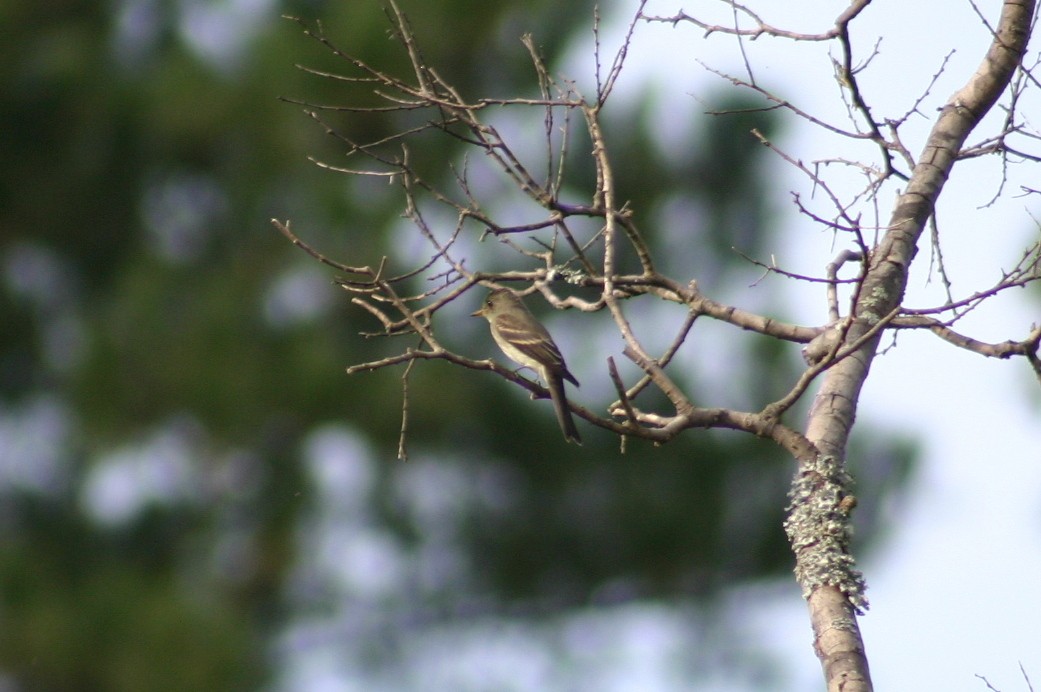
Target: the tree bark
(823, 564)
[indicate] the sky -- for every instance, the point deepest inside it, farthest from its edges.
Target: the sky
(954, 587)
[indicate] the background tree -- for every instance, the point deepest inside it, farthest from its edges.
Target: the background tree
(182, 470)
(557, 244)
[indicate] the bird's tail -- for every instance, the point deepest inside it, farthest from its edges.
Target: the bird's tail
(567, 423)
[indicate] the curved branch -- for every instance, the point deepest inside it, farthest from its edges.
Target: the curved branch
(763, 28)
(1004, 350)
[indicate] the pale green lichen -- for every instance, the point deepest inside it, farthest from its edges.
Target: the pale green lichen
(818, 526)
(571, 276)
(877, 297)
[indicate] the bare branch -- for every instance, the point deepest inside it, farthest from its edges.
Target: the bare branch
(762, 28)
(602, 92)
(284, 230)
(1003, 350)
(832, 272)
(403, 434)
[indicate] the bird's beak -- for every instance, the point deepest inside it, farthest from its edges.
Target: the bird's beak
(478, 313)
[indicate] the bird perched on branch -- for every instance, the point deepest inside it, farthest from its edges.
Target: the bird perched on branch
(526, 341)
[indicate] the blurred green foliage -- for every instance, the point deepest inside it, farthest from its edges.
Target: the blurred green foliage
(144, 150)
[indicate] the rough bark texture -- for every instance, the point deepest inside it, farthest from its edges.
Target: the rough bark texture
(833, 608)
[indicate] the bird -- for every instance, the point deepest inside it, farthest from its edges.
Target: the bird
(524, 340)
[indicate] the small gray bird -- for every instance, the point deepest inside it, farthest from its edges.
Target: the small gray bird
(526, 341)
